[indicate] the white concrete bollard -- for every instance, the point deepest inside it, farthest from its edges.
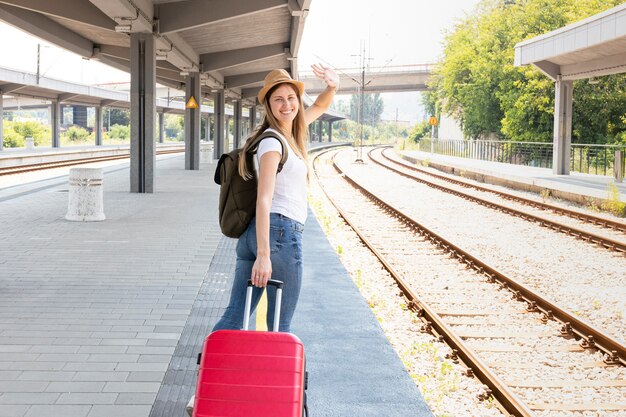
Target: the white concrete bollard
(30, 144)
(85, 195)
(206, 152)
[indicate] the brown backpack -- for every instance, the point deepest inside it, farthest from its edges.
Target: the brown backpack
(237, 195)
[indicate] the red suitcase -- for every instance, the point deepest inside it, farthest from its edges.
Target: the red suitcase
(247, 373)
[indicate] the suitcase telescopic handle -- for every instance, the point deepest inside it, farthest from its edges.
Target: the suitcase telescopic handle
(279, 296)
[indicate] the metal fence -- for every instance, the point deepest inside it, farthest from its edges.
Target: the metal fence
(585, 158)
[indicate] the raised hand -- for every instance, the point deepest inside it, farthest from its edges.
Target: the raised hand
(326, 74)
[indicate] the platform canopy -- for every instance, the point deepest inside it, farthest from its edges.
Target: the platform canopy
(589, 48)
(233, 44)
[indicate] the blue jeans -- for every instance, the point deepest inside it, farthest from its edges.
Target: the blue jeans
(286, 257)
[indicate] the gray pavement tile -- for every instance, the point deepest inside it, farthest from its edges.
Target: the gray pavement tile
(22, 386)
(90, 367)
(112, 357)
(9, 375)
(123, 342)
(147, 387)
(28, 398)
(46, 376)
(119, 410)
(58, 410)
(76, 386)
(100, 376)
(13, 410)
(155, 358)
(34, 366)
(151, 350)
(90, 398)
(146, 377)
(142, 367)
(135, 398)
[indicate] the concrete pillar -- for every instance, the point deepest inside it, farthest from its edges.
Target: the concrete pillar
(238, 124)
(218, 106)
(562, 126)
(142, 112)
(55, 121)
(192, 122)
(319, 130)
(252, 118)
(207, 128)
(1, 123)
(227, 141)
(161, 127)
(98, 126)
(330, 130)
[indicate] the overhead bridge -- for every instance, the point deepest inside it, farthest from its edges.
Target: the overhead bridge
(390, 79)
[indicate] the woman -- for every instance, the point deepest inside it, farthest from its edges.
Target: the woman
(272, 244)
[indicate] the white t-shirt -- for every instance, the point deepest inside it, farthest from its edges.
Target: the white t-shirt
(289, 197)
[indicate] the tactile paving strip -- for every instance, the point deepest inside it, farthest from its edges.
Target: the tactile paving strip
(180, 379)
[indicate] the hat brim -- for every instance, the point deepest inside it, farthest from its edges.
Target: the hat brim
(298, 84)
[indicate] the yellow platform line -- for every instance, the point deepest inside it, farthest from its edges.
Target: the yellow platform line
(261, 313)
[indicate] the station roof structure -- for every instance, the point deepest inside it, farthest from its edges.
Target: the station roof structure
(233, 44)
(589, 48)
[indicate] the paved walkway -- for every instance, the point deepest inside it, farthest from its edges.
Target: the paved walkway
(105, 319)
(90, 313)
(525, 177)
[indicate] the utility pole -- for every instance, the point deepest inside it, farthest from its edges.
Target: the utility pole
(38, 60)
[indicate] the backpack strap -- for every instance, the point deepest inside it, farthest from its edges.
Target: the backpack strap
(254, 146)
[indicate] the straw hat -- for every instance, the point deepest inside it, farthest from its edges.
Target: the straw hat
(279, 76)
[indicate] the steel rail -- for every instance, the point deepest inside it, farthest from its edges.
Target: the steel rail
(507, 399)
(572, 325)
(608, 223)
(611, 244)
(19, 169)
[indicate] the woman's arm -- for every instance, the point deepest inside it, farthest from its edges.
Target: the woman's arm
(324, 100)
(262, 268)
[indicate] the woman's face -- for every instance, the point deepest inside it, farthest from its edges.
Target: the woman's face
(284, 104)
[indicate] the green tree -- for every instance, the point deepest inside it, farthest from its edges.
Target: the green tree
(113, 116)
(477, 83)
(373, 107)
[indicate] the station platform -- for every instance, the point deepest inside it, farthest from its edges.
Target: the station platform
(101, 319)
(576, 187)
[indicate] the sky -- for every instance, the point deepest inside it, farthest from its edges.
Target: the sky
(392, 32)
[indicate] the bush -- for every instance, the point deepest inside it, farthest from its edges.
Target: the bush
(419, 131)
(76, 134)
(12, 139)
(15, 132)
(119, 132)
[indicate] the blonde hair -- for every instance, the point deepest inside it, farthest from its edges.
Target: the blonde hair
(297, 138)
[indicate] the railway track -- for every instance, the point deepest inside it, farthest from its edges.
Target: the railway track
(383, 158)
(499, 328)
(59, 164)
(574, 214)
